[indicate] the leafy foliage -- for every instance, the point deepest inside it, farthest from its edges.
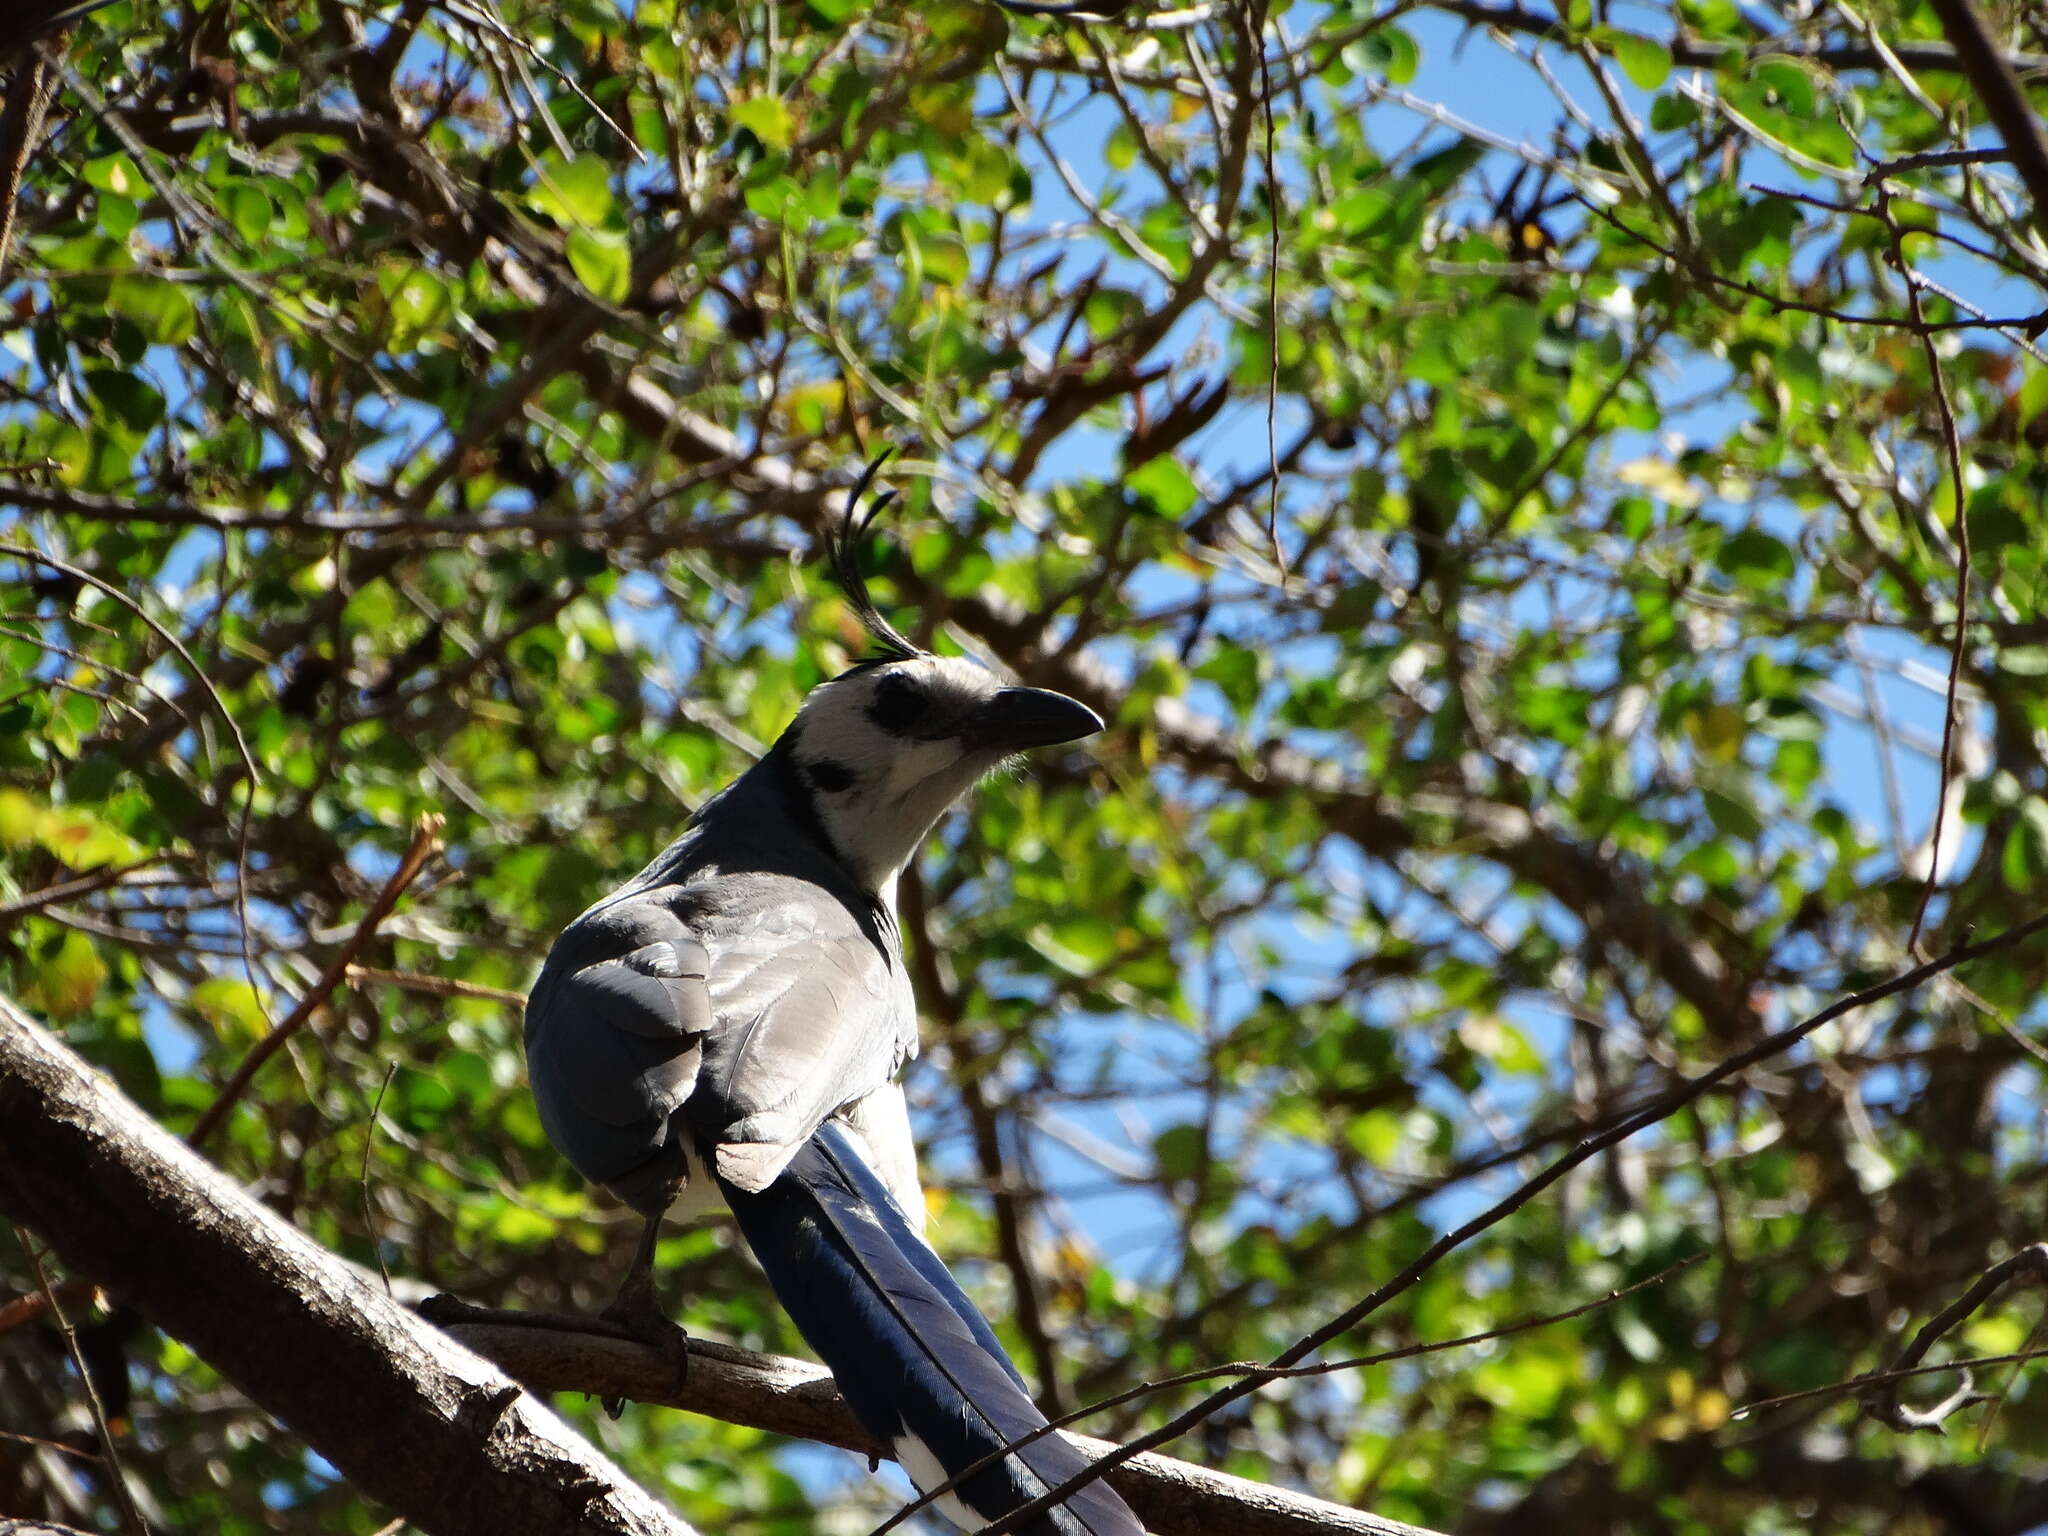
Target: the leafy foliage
(1518, 558)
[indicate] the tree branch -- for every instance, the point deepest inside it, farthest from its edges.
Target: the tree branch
(1999, 89)
(2029, 1263)
(795, 1397)
(426, 842)
(1696, 53)
(405, 1414)
(29, 90)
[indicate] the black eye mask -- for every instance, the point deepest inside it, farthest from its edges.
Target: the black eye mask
(830, 776)
(898, 704)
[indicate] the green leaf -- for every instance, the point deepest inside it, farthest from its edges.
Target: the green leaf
(114, 173)
(1120, 150)
(602, 263)
(1164, 486)
(1088, 938)
(126, 397)
(1755, 558)
(1786, 85)
(1670, 113)
(1236, 670)
(160, 308)
(64, 980)
(2024, 859)
(416, 301)
(1377, 1136)
(767, 118)
(1731, 816)
(249, 211)
(1178, 1151)
(576, 194)
(231, 1006)
(1644, 60)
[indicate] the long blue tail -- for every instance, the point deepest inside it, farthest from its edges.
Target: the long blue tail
(918, 1364)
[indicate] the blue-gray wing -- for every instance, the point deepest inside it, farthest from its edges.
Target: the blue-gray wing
(813, 1016)
(614, 1046)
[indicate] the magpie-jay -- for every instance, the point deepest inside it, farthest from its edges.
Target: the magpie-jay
(731, 1021)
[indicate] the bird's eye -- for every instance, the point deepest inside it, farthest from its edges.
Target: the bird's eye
(897, 704)
(831, 777)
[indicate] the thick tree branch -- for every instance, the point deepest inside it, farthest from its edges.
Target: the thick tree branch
(27, 20)
(407, 1415)
(29, 89)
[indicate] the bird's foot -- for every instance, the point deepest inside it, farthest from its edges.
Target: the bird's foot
(636, 1314)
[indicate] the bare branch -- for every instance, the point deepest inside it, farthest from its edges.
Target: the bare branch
(406, 1414)
(425, 844)
(2030, 1263)
(1991, 72)
(794, 1397)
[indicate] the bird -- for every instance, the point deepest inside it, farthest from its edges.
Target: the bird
(729, 1026)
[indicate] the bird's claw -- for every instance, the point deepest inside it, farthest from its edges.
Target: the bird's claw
(637, 1313)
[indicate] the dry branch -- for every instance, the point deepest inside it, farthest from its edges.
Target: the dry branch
(2005, 101)
(407, 1415)
(2030, 1263)
(795, 1397)
(29, 88)
(426, 843)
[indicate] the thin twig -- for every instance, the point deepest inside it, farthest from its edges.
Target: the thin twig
(123, 1497)
(363, 1179)
(1274, 197)
(53, 1445)
(436, 986)
(425, 844)
(27, 1308)
(2004, 100)
(1935, 159)
(83, 885)
(2027, 1346)
(1879, 1378)
(1952, 446)
(2030, 1263)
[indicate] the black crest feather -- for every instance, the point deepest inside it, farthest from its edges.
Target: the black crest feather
(844, 544)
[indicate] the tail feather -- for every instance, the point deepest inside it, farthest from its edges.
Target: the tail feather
(867, 1184)
(915, 1359)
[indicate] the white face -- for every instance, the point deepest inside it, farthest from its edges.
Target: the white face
(885, 749)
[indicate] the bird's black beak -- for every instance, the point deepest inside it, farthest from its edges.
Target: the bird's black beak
(1017, 718)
